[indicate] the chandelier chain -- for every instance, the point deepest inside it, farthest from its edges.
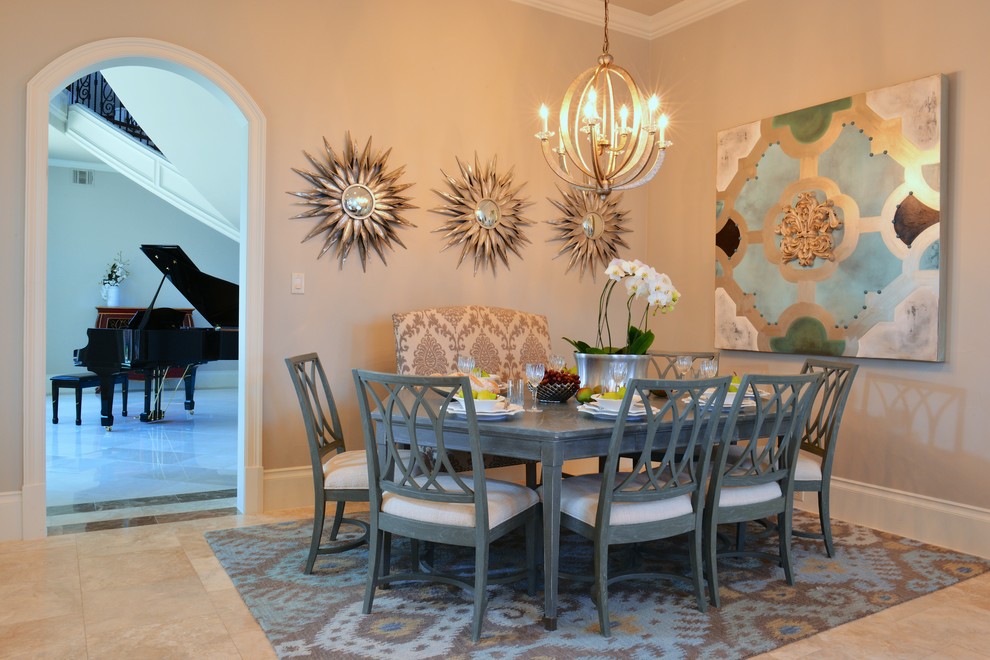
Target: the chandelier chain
(605, 43)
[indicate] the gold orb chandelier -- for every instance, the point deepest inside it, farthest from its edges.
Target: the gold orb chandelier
(611, 135)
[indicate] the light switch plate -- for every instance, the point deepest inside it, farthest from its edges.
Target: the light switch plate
(298, 283)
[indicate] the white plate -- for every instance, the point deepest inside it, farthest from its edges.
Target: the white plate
(730, 397)
(510, 410)
(601, 413)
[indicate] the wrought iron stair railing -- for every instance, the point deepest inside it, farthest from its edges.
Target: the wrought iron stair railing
(94, 92)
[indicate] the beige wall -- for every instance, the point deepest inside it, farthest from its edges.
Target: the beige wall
(914, 427)
(437, 78)
(432, 79)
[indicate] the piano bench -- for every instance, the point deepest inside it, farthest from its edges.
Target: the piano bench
(79, 382)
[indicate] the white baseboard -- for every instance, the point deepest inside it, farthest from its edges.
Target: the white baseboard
(939, 522)
(10, 516)
(216, 379)
(946, 524)
(288, 488)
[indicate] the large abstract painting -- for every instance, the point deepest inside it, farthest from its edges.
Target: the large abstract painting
(829, 228)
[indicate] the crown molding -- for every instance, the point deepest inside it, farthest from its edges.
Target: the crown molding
(632, 22)
(684, 13)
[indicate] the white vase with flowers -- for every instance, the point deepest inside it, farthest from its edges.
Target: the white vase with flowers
(110, 284)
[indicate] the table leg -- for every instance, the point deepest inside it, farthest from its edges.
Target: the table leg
(552, 475)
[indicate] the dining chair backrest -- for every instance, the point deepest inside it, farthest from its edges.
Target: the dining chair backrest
(502, 341)
(406, 422)
(761, 436)
(674, 458)
(662, 364)
(318, 410)
(822, 427)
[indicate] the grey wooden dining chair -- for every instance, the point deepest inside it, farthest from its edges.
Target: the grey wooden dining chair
(661, 496)
(662, 364)
(339, 475)
(419, 494)
(818, 441)
(753, 470)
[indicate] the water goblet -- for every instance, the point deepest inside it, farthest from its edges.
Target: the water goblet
(618, 373)
(465, 364)
(534, 376)
(682, 365)
(557, 362)
(707, 368)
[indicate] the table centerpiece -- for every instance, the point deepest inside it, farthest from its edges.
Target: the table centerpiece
(639, 281)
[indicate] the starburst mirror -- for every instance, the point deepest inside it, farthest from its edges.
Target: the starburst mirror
(358, 200)
(484, 215)
(590, 229)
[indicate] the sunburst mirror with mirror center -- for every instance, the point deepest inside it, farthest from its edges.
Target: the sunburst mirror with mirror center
(483, 215)
(590, 229)
(358, 200)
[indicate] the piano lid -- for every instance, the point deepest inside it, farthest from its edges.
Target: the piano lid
(214, 298)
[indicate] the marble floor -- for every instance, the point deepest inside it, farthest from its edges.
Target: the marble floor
(140, 473)
(158, 592)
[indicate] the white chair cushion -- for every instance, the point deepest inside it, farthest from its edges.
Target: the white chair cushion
(740, 495)
(348, 469)
(505, 500)
(809, 467)
(579, 499)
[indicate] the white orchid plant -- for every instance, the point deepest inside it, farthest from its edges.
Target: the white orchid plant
(116, 273)
(640, 281)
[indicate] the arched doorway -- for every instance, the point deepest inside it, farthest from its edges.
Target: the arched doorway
(157, 54)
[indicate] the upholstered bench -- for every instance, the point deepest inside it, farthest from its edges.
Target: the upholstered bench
(501, 341)
(79, 382)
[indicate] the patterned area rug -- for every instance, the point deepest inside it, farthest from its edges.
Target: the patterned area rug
(319, 615)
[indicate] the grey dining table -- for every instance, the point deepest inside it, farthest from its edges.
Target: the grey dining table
(557, 434)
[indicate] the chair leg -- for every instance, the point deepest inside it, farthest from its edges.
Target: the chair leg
(711, 565)
(376, 543)
(531, 481)
(784, 532)
(314, 545)
(386, 553)
(601, 588)
(741, 536)
(531, 537)
(826, 520)
(338, 516)
(480, 590)
(694, 538)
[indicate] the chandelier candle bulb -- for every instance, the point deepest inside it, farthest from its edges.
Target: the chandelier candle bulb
(603, 148)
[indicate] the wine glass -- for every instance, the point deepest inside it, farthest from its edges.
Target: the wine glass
(534, 376)
(465, 364)
(557, 362)
(707, 368)
(682, 365)
(618, 373)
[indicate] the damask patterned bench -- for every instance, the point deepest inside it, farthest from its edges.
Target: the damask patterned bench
(502, 341)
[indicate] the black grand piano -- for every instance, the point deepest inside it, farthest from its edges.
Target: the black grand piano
(155, 340)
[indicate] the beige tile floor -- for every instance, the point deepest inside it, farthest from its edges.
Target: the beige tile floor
(158, 592)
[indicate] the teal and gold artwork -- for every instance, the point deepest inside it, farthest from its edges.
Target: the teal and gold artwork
(828, 228)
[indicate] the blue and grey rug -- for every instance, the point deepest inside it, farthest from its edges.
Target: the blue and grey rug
(319, 615)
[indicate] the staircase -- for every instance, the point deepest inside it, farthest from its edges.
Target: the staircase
(113, 136)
